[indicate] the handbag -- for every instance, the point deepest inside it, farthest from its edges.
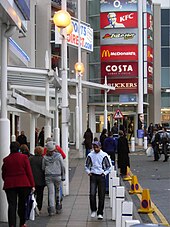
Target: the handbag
(30, 205)
(149, 152)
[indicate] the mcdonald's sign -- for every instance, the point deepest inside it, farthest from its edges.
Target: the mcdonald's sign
(119, 53)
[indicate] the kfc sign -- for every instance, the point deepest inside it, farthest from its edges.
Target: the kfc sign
(123, 86)
(119, 20)
(118, 53)
(119, 69)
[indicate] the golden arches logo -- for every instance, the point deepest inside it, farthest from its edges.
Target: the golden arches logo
(105, 53)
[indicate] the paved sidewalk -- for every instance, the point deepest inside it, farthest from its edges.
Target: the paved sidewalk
(76, 210)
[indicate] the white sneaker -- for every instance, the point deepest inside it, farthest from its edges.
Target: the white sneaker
(93, 214)
(100, 217)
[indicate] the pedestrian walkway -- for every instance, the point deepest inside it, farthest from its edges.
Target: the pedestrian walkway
(76, 210)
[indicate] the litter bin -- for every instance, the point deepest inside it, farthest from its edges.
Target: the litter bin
(147, 225)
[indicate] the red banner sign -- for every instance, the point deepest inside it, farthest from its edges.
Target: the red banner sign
(149, 70)
(149, 54)
(119, 53)
(119, 20)
(149, 22)
(119, 69)
(150, 86)
(123, 86)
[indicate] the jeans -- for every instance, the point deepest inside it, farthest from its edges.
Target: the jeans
(97, 183)
(14, 194)
(53, 185)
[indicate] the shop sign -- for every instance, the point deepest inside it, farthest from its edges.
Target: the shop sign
(86, 36)
(149, 21)
(149, 70)
(119, 52)
(118, 20)
(150, 86)
(118, 36)
(149, 54)
(119, 69)
(123, 86)
(118, 5)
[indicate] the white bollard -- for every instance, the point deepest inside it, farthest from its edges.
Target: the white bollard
(120, 197)
(129, 223)
(132, 144)
(145, 142)
(115, 183)
(127, 211)
(112, 174)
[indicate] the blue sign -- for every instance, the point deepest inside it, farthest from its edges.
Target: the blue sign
(118, 5)
(140, 133)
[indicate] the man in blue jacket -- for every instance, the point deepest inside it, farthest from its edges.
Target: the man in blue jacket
(97, 166)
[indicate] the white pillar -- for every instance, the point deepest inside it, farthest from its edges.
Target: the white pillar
(80, 117)
(120, 197)
(129, 223)
(132, 144)
(145, 142)
(127, 211)
(32, 133)
(47, 127)
(105, 105)
(13, 137)
(140, 61)
(4, 121)
(65, 110)
(115, 183)
(56, 119)
(92, 119)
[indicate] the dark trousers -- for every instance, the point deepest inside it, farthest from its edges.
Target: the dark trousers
(16, 198)
(156, 152)
(97, 183)
(39, 190)
(164, 149)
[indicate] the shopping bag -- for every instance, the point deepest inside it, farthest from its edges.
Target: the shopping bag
(149, 152)
(28, 206)
(32, 212)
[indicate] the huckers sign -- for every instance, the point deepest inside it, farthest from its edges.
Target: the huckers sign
(118, 36)
(119, 69)
(119, 53)
(86, 36)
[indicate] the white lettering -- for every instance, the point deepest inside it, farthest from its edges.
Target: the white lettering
(126, 17)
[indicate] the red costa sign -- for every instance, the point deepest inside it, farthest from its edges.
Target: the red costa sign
(123, 86)
(149, 54)
(119, 69)
(119, 20)
(119, 53)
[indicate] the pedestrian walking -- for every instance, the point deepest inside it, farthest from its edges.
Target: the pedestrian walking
(164, 141)
(97, 166)
(41, 137)
(25, 150)
(39, 176)
(109, 146)
(18, 183)
(88, 139)
(123, 153)
(103, 136)
(54, 173)
(155, 141)
(22, 139)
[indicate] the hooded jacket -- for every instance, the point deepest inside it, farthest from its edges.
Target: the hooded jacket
(53, 165)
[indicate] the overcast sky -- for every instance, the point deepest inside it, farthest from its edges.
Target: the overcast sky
(164, 3)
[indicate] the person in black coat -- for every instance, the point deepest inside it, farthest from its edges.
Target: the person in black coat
(123, 153)
(103, 136)
(22, 139)
(88, 139)
(41, 137)
(38, 173)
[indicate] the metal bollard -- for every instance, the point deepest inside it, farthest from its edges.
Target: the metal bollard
(127, 211)
(115, 183)
(120, 197)
(129, 223)
(145, 142)
(132, 144)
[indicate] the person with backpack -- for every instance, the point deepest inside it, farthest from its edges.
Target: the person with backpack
(164, 141)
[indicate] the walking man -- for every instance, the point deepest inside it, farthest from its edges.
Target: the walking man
(97, 166)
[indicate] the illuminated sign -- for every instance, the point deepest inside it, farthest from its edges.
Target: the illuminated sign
(118, 36)
(116, 53)
(119, 69)
(118, 5)
(123, 86)
(24, 6)
(86, 36)
(119, 20)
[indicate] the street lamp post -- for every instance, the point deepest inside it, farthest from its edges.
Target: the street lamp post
(62, 19)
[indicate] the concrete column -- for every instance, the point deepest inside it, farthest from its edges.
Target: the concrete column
(32, 133)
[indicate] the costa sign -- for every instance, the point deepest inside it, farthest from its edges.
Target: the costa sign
(123, 86)
(119, 69)
(118, 20)
(118, 5)
(118, 36)
(118, 53)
